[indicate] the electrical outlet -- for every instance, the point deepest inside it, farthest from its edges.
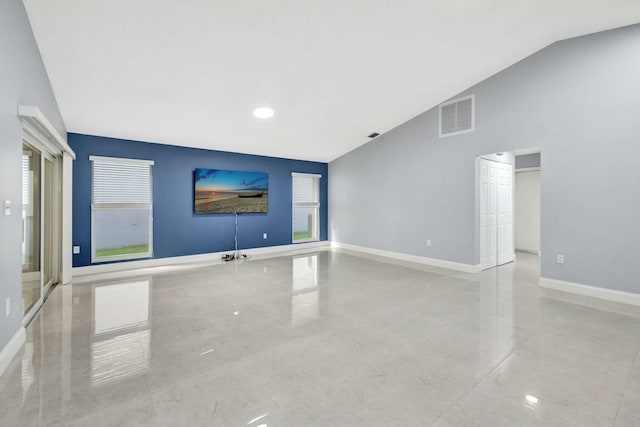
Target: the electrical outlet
(264, 236)
(560, 259)
(428, 242)
(7, 307)
(76, 250)
(7, 207)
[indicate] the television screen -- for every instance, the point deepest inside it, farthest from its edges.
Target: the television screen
(223, 191)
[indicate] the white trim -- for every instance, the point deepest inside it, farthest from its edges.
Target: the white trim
(311, 175)
(35, 119)
(451, 265)
(28, 317)
(473, 116)
(591, 291)
(67, 218)
(534, 169)
(12, 348)
(121, 160)
(38, 140)
(297, 242)
(212, 257)
(528, 251)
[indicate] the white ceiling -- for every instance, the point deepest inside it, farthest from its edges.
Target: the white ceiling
(190, 72)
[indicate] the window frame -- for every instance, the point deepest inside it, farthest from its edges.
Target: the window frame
(115, 206)
(315, 205)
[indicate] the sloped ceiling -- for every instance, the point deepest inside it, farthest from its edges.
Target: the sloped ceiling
(190, 72)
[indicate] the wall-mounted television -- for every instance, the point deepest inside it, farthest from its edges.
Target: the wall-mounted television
(225, 191)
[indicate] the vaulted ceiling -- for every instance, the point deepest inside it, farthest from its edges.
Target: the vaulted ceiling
(191, 72)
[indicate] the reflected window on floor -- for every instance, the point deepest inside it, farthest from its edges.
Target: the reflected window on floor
(121, 342)
(305, 300)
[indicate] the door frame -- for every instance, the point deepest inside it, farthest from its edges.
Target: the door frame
(32, 139)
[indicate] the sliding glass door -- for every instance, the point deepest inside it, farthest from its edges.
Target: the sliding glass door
(40, 226)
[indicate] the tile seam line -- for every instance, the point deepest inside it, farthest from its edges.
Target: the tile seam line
(626, 385)
(480, 381)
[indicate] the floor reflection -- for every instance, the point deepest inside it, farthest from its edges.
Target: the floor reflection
(121, 340)
(121, 306)
(28, 374)
(119, 357)
(323, 339)
(305, 298)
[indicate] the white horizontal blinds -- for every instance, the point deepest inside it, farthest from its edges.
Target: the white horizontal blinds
(306, 189)
(27, 177)
(121, 182)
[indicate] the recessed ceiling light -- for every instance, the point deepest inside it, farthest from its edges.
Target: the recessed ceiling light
(263, 112)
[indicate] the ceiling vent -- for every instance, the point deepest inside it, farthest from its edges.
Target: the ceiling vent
(373, 135)
(457, 116)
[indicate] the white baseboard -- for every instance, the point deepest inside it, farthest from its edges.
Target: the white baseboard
(467, 268)
(591, 291)
(529, 251)
(212, 257)
(11, 349)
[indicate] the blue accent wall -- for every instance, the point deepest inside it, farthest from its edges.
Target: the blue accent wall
(177, 231)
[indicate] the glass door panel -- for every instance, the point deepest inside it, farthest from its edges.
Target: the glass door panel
(31, 223)
(50, 219)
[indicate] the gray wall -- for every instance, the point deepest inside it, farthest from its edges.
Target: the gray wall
(23, 80)
(528, 161)
(578, 101)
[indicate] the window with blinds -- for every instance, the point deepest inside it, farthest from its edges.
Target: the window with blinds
(121, 209)
(306, 207)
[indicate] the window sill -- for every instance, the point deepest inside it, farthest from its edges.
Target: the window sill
(304, 241)
(128, 257)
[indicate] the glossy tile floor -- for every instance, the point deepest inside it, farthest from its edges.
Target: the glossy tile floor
(328, 339)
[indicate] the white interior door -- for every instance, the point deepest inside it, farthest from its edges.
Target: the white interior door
(505, 213)
(488, 213)
(496, 213)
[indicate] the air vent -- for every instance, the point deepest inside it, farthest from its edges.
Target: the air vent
(373, 135)
(457, 116)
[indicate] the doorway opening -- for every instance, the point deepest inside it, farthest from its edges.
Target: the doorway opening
(527, 201)
(508, 205)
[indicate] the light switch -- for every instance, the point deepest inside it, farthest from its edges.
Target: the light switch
(7, 207)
